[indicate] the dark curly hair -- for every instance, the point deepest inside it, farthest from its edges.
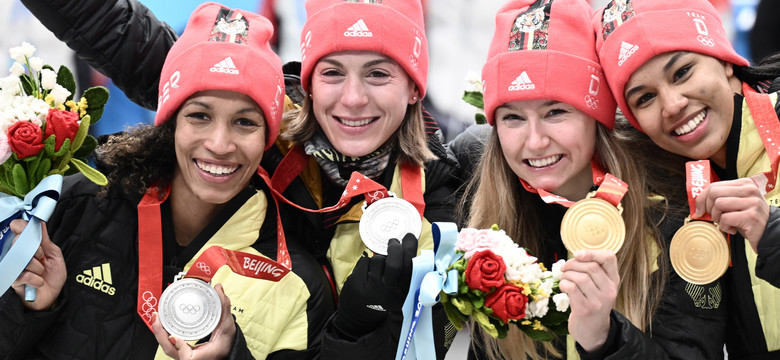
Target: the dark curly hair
(138, 158)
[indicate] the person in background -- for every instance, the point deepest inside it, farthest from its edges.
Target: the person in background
(194, 175)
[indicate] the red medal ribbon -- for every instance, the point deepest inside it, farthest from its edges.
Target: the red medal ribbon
(358, 184)
(610, 189)
(698, 175)
(150, 255)
(241, 263)
(768, 126)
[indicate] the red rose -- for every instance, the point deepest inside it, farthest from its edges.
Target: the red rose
(508, 302)
(63, 124)
(25, 139)
(485, 270)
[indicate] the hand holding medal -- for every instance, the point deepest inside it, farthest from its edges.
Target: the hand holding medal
(595, 222)
(698, 252)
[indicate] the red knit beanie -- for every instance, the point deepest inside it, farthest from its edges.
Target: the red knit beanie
(544, 49)
(391, 27)
(632, 32)
(224, 49)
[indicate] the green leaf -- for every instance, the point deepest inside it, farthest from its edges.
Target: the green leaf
(65, 79)
(480, 118)
(96, 176)
(455, 317)
(554, 317)
(32, 167)
(21, 186)
(487, 325)
(48, 146)
(560, 329)
(81, 133)
(43, 169)
(538, 335)
(474, 98)
(27, 84)
(464, 307)
(96, 101)
(86, 148)
(64, 148)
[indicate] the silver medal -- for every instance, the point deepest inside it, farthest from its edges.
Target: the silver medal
(189, 309)
(386, 219)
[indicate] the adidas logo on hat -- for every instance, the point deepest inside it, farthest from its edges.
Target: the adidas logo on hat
(98, 278)
(626, 50)
(225, 66)
(523, 82)
(358, 29)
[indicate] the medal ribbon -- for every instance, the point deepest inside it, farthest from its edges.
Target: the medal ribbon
(430, 277)
(295, 160)
(768, 126)
(150, 253)
(610, 189)
(37, 207)
(241, 263)
(698, 175)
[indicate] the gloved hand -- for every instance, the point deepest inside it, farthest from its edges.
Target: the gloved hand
(377, 285)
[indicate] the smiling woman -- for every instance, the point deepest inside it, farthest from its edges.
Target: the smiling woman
(183, 200)
(692, 96)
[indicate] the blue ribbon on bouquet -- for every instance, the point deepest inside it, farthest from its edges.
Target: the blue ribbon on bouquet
(37, 206)
(429, 278)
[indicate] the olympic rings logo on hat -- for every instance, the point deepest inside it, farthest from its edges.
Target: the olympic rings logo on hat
(592, 102)
(706, 40)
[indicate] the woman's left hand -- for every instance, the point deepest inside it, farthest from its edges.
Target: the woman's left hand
(736, 206)
(218, 346)
(591, 280)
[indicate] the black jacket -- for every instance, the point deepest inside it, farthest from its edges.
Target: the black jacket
(690, 322)
(90, 323)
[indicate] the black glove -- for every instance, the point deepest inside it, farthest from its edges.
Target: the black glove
(377, 285)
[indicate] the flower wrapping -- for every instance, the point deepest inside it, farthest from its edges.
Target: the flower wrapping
(500, 284)
(44, 135)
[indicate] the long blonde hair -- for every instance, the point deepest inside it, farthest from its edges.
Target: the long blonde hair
(497, 197)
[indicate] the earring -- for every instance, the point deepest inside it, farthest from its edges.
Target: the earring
(414, 99)
(310, 96)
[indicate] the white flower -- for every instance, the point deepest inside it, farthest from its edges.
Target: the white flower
(474, 80)
(516, 262)
(10, 85)
(17, 69)
(18, 53)
(538, 308)
(5, 149)
(36, 64)
(556, 269)
(60, 94)
(526, 273)
(561, 302)
(48, 79)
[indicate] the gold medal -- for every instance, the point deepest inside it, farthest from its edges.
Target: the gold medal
(699, 252)
(592, 224)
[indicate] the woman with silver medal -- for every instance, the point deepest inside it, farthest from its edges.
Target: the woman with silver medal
(690, 96)
(364, 68)
(552, 176)
(183, 200)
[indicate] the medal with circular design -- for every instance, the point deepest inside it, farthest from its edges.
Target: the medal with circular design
(386, 219)
(699, 252)
(592, 224)
(190, 309)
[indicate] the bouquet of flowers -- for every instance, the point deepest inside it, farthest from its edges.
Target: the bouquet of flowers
(44, 136)
(45, 130)
(500, 284)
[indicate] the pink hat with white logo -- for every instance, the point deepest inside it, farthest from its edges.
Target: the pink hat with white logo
(391, 27)
(546, 50)
(224, 49)
(631, 32)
